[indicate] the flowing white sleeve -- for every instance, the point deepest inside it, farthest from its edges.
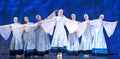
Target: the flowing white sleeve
(53, 14)
(109, 27)
(30, 27)
(72, 26)
(81, 29)
(92, 24)
(5, 31)
(48, 25)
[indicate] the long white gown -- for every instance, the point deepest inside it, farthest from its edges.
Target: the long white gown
(60, 37)
(43, 41)
(42, 35)
(29, 38)
(86, 40)
(73, 45)
(59, 41)
(99, 44)
(16, 46)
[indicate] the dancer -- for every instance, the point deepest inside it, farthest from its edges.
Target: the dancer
(59, 37)
(59, 41)
(16, 46)
(86, 40)
(42, 37)
(29, 38)
(99, 44)
(73, 46)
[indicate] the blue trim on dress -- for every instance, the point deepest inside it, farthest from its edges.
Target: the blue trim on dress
(75, 52)
(30, 52)
(42, 53)
(16, 52)
(99, 51)
(58, 49)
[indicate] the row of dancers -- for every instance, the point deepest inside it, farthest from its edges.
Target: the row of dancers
(68, 35)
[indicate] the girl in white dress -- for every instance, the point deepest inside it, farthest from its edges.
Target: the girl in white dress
(86, 41)
(29, 38)
(60, 37)
(73, 46)
(42, 34)
(99, 45)
(42, 39)
(16, 45)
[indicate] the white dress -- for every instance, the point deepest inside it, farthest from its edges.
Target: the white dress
(16, 45)
(99, 45)
(59, 41)
(86, 40)
(60, 37)
(43, 41)
(29, 39)
(73, 45)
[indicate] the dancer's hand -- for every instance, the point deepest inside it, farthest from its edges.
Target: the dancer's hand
(39, 23)
(24, 26)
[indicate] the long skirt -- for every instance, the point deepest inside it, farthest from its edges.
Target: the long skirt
(16, 46)
(86, 41)
(29, 43)
(59, 41)
(43, 41)
(73, 46)
(99, 44)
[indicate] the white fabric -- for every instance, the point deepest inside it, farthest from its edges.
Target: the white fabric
(53, 14)
(60, 36)
(99, 39)
(5, 31)
(30, 26)
(109, 27)
(72, 26)
(17, 30)
(86, 41)
(29, 37)
(48, 25)
(81, 28)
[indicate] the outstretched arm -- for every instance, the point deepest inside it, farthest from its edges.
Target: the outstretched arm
(5, 31)
(110, 27)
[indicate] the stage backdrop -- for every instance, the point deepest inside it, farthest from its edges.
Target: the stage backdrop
(21, 8)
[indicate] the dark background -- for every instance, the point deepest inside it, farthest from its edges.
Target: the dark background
(21, 8)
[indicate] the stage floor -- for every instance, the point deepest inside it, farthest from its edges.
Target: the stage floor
(65, 56)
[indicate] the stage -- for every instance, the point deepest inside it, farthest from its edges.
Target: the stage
(65, 56)
(30, 8)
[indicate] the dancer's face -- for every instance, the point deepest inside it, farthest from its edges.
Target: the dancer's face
(73, 16)
(15, 19)
(101, 17)
(26, 19)
(38, 17)
(60, 12)
(86, 17)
